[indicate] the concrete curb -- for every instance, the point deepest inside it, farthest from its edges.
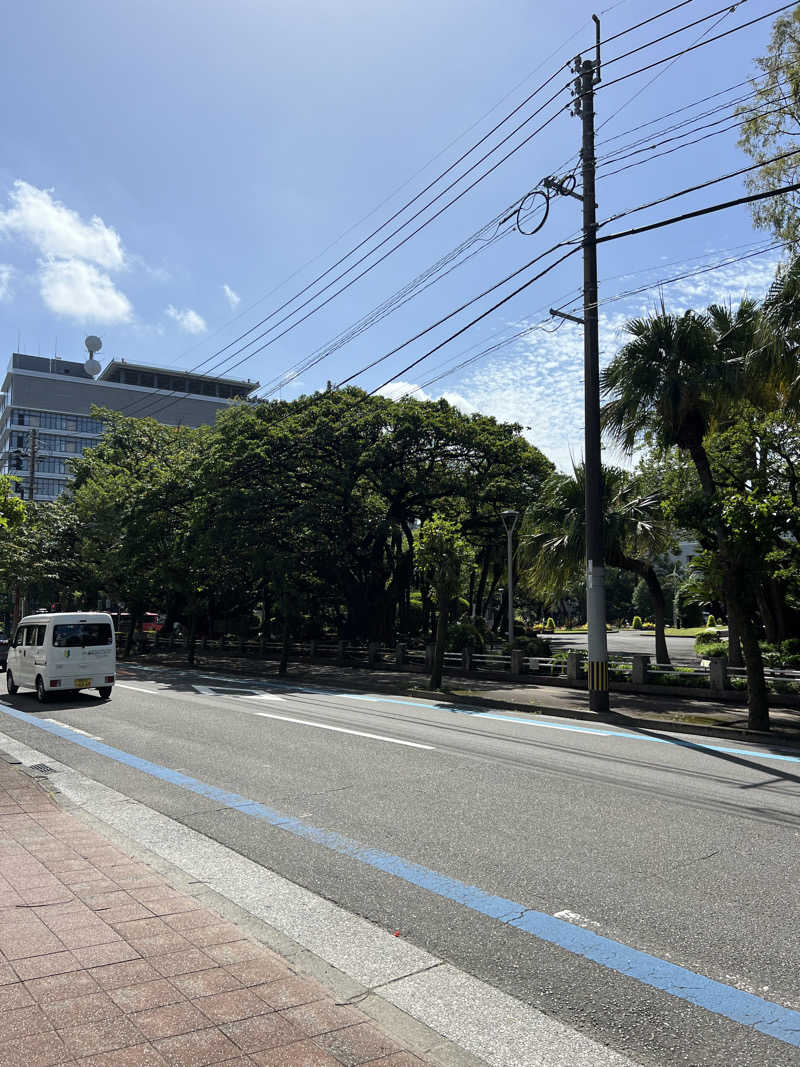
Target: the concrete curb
(641, 723)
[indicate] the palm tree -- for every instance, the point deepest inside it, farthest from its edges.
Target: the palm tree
(675, 380)
(774, 357)
(554, 536)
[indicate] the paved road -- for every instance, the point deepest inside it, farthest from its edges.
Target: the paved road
(681, 649)
(478, 828)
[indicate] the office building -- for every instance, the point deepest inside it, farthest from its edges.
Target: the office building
(54, 398)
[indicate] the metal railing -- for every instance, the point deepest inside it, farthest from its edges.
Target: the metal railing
(622, 666)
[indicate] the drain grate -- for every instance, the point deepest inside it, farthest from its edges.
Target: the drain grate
(42, 768)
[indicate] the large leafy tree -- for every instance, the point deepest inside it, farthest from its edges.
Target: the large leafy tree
(673, 380)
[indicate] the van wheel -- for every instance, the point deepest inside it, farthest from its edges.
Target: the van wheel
(11, 685)
(41, 692)
(104, 691)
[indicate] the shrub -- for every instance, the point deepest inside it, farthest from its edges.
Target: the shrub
(637, 622)
(711, 623)
(550, 625)
(718, 648)
(648, 626)
(463, 634)
(705, 637)
(531, 645)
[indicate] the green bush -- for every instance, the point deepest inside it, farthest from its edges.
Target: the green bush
(711, 623)
(637, 622)
(785, 654)
(705, 637)
(550, 626)
(463, 634)
(530, 645)
(648, 626)
(718, 648)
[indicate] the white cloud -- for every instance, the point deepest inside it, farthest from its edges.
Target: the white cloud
(80, 291)
(538, 380)
(187, 319)
(75, 256)
(6, 274)
(233, 298)
(56, 230)
(465, 406)
(398, 390)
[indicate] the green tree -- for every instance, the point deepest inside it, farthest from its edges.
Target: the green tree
(770, 127)
(442, 554)
(673, 381)
(554, 537)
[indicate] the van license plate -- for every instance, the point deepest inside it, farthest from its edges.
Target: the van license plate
(82, 683)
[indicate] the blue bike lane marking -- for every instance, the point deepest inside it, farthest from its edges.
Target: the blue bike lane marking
(765, 1016)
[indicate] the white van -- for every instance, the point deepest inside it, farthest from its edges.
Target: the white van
(54, 653)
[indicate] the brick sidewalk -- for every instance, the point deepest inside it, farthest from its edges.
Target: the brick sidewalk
(103, 964)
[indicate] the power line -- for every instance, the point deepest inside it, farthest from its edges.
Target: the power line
(699, 186)
(394, 248)
(753, 198)
(734, 109)
(458, 310)
(673, 33)
(694, 47)
(400, 211)
(660, 283)
(476, 320)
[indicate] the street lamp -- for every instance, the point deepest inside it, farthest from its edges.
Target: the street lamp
(510, 519)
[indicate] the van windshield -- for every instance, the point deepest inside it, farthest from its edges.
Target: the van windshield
(82, 634)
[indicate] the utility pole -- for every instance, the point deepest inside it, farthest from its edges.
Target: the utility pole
(32, 472)
(588, 75)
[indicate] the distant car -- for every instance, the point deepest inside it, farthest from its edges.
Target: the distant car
(4, 642)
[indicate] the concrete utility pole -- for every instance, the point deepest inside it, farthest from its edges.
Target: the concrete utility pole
(597, 666)
(32, 472)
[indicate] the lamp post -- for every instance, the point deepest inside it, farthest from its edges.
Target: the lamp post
(510, 519)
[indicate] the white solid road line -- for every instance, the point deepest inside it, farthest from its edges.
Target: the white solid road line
(342, 730)
(74, 729)
(204, 690)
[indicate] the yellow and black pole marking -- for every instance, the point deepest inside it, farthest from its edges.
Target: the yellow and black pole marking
(598, 675)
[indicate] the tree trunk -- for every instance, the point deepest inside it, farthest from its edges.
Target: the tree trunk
(441, 642)
(734, 644)
(757, 702)
(480, 604)
(284, 660)
(738, 607)
(659, 610)
(767, 616)
(136, 620)
(616, 558)
(191, 639)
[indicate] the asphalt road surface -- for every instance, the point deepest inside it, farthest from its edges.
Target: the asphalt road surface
(681, 649)
(671, 865)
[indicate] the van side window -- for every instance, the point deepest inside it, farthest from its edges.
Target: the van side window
(30, 635)
(19, 636)
(40, 632)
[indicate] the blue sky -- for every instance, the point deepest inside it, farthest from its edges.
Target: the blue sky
(167, 166)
